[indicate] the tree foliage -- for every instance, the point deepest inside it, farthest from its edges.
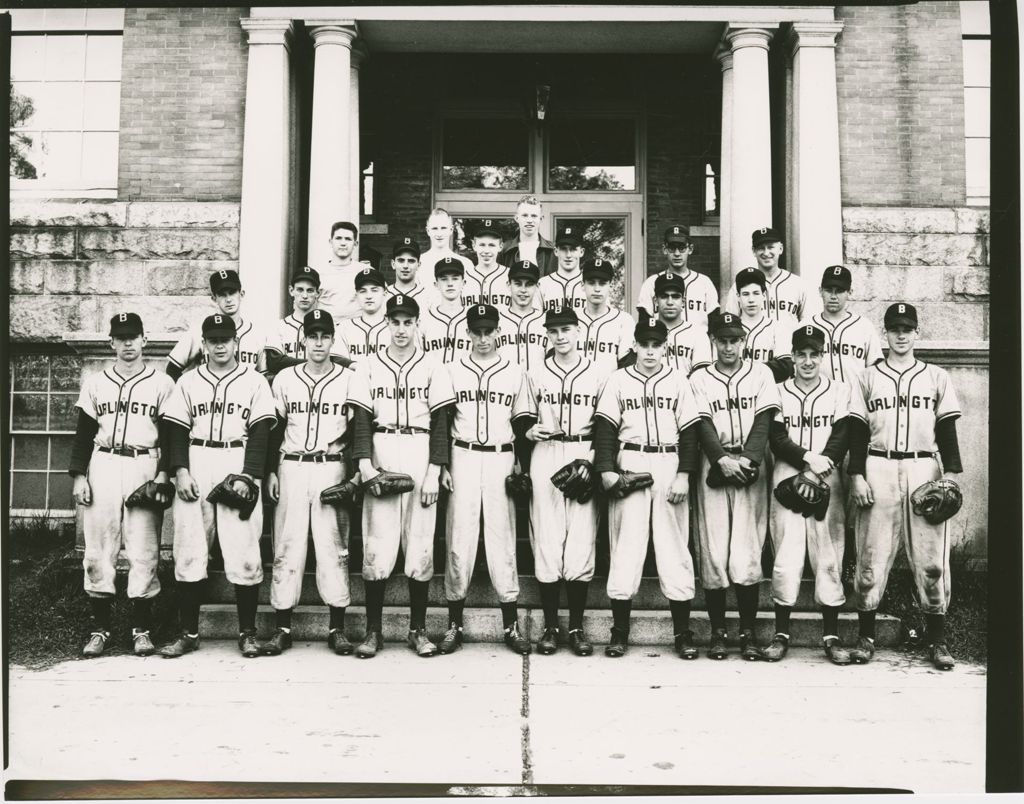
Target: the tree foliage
(22, 108)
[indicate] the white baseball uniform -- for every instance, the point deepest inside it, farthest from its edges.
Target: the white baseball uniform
(901, 409)
(556, 287)
(487, 398)
(850, 346)
(688, 348)
(252, 342)
(487, 288)
(126, 410)
(767, 339)
(314, 409)
(699, 301)
(444, 337)
(288, 337)
(424, 294)
(649, 412)
(356, 338)
(606, 339)
(788, 298)
(522, 338)
(732, 522)
(219, 409)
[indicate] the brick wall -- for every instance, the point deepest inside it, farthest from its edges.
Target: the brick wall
(900, 77)
(182, 104)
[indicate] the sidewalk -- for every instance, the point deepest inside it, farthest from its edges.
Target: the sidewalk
(486, 717)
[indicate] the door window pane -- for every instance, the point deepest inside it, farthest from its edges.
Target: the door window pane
(590, 153)
(484, 154)
(604, 238)
(28, 490)
(28, 412)
(29, 451)
(465, 227)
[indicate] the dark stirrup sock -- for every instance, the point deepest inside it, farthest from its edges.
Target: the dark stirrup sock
(936, 625)
(830, 620)
(246, 601)
(374, 605)
(283, 619)
(866, 624)
(782, 619)
(715, 599)
(100, 608)
(418, 604)
(190, 598)
(746, 602)
(508, 614)
(337, 621)
(549, 603)
(455, 608)
(142, 613)
(576, 591)
(680, 616)
(620, 614)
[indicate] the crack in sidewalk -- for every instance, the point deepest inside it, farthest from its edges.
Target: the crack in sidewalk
(524, 725)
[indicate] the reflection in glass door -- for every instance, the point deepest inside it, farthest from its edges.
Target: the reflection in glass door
(606, 239)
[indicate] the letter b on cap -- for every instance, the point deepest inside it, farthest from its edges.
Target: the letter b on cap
(901, 308)
(809, 330)
(481, 310)
(122, 317)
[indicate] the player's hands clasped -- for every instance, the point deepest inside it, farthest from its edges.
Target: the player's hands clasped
(540, 433)
(430, 486)
(81, 490)
(819, 464)
(733, 467)
(188, 489)
(272, 487)
(679, 488)
(861, 492)
(368, 472)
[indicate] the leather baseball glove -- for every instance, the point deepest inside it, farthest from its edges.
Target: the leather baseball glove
(346, 493)
(629, 482)
(808, 496)
(388, 484)
(937, 500)
(575, 480)
(145, 496)
(717, 479)
(243, 502)
(519, 487)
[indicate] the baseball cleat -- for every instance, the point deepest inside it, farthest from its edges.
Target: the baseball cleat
(97, 642)
(248, 644)
(716, 647)
(776, 650)
(452, 639)
(548, 643)
(420, 643)
(940, 656)
(278, 643)
(748, 646)
(368, 647)
(337, 642)
(579, 643)
(835, 651)
(515, 641)
(864, 651)
(685, 648)
(142, 644)
(179, 647)
(619, 644)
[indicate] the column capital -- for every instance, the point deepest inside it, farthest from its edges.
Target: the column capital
(268, 31)
(723, 55)
(342, 32)
(814, 34)
(360, 54)
(740, 35)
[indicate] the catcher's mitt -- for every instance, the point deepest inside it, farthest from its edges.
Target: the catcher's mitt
(243, 502)
(145, 496)
(575, 480)
(519, 487)
(805, 495)
(937, 500)
(387, 484)
(717, 479)
(629, 482)
(346, 493)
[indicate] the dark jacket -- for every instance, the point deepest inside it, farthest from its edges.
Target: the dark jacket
(547, 260)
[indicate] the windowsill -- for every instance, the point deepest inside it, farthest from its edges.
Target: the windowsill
(63, 514)
(57, 194)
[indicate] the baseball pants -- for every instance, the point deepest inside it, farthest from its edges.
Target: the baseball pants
(644, 514)
(795, 537)
(732, 525)
(107, 523)
(881, 527)
(563, 532)
(400, 518)
(300, 514)
(197, 523)
(478, 479)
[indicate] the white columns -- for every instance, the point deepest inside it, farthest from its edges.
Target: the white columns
(330, 160)
(750, 206)
(263, 253)
(817, 225)
(726, 272)
(359, 54)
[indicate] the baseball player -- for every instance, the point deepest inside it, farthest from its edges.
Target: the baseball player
(439, 230)
(528, 244)
(687, 346)
(699, 292)
(405, 262)
(809, 435)
(563, 532)
(487, 281)
(366, 334)
(521, 333)
(768, 340)
(647, 420)
(565, 285)
(252, 337)
(491, 392)
(851, 342)
(606, 334)
(400, 402)
(218, 419)
(442, 328)
(305, 457)
(738, 399)
(337, 275)
(788, 297)
(902, 434)
(304, 288)
(115, 451)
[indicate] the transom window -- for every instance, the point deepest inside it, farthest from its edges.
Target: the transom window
(977, 48)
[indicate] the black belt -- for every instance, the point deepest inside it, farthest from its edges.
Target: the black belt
(570, 439)
(646, 448)
(402, 430)
(899, 456)
(202, 442)
(734, 450)
(318, 458)
(127, 452)
(483, 447)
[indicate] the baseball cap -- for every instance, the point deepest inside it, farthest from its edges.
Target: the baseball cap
(402, 304)
(808, 335)
(219, 325)
(488, 226)
(306, 273)
(369, 276)
(837, 276)
(669, 281)
(726, 325)
(569, 236)
(750, 276)
(225, 280)
(318, 321)
(405, 244)
(524, 269)
(649, 328)
(901, 314)
(482, 316)
(449, 265)
(125, 324)
(677, 234)
(766, 234)
(560, 316)
(598, 269)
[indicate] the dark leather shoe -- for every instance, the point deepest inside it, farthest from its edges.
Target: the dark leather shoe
(368, 647)
(97, 642)
(452, 639)
(548, 642)
(716, 647)
(420, 643)
(248, 644)
(685, 648)
(579, 643)
(835, 651)
(278, 643)
(777, 649)
(142, 645)
(864, 651)
(515, 641)
(618, 645)
(940, 656)
(748, 646)
(179, 647)
(338, 642)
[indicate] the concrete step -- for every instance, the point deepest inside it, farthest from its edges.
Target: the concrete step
(219, 621)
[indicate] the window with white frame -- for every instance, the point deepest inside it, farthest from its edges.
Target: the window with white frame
(65, 100)
(977, 48)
